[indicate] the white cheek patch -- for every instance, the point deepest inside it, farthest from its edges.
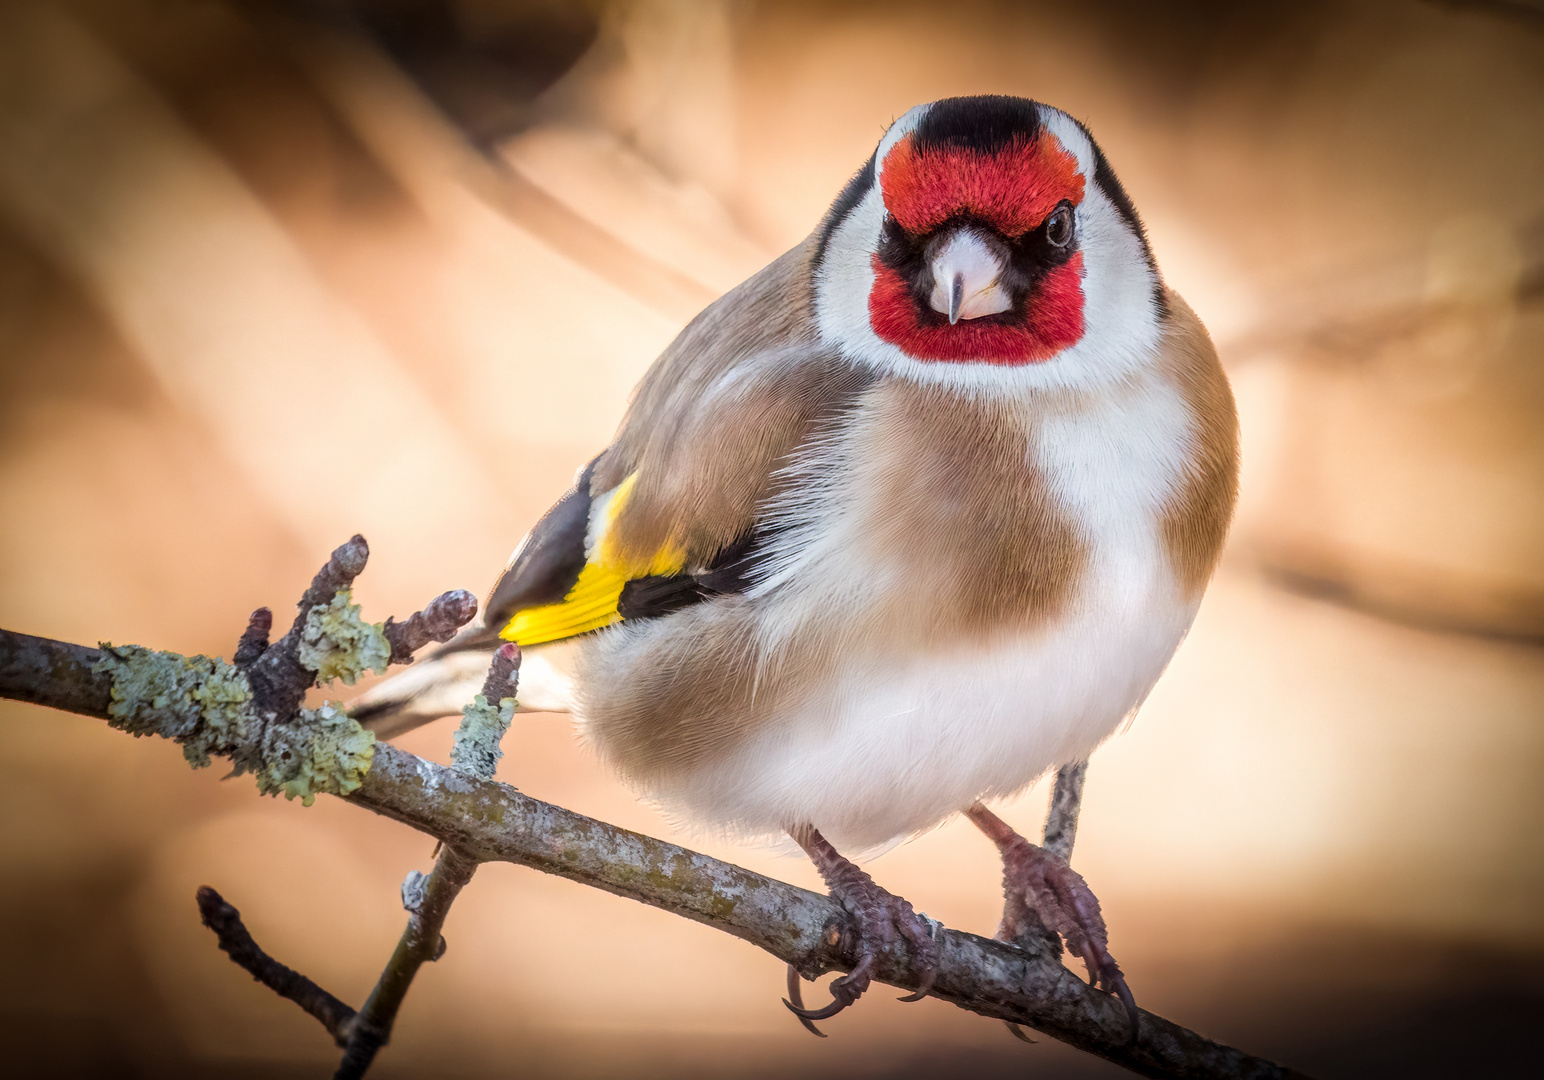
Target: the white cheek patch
(845, 279)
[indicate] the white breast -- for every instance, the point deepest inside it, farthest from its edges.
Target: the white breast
(899, 742)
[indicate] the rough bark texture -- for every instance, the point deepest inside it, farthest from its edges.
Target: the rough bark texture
(53, 673)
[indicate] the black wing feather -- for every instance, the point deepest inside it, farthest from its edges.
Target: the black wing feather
(732, 572)
(549, 561)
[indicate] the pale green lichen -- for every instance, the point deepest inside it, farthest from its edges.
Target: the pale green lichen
(199, 701)
(476, 750)
(337, 644)
(206, 705)
(324, 751)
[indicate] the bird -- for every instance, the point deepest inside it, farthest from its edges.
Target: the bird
(912, 517)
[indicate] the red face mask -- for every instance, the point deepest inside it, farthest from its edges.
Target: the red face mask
(1012, 190)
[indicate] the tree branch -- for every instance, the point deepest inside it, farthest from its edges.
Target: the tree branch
(236, 942)
(53, 673)
(479, 820)
(428, 900)
(420, 943)
(489, 821)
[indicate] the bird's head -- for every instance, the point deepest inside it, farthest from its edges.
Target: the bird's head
(988, 240)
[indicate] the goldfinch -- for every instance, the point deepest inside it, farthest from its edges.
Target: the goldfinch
(913, 516)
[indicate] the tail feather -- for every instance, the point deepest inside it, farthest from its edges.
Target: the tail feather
(433, 687)
(445, 682)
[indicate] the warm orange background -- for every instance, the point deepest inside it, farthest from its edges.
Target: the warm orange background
(269, 278)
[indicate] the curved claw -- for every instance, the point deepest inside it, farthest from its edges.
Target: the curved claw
(1039, 883)
(1124, 993)
(1091, 963)
(796, 1004)
(836, 1006)
(1113, 981)
(844, 991)
(917, 932)
(924, 988)
(877, 916)
(1018, 1033)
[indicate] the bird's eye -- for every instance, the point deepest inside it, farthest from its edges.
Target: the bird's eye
(1058, 227)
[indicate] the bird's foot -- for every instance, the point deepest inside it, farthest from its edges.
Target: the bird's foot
(1042, 891)
(878, 916)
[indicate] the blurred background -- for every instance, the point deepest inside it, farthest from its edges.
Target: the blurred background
(276, 271)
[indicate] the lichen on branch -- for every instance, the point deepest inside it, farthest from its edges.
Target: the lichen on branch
(477, 747)
(205, 705)
(200, 702)
(477, 750)
(324, 751)
(337, 644)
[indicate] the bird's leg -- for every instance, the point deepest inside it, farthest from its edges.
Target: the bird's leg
(878, 915)
(1043, 892)
(1061, 819)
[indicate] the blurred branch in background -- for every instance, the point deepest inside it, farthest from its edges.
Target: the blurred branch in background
(190, 267)
(1399, 354)
(608, 133)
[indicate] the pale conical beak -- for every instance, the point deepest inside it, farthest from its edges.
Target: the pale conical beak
(966, 277)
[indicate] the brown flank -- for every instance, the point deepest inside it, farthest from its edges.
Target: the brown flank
(1195, 522)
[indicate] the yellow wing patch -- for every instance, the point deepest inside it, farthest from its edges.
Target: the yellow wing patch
(592, 602)
(589, 605)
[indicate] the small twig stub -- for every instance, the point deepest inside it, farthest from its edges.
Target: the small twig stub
(236, 942)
